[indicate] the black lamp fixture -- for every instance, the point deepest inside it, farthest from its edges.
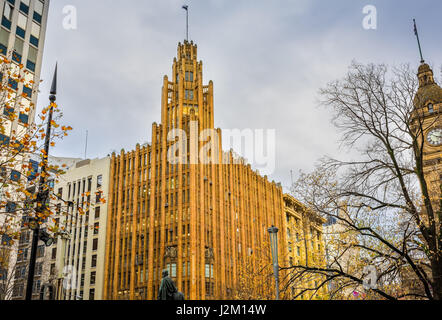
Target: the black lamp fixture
(46, 238)
(42, 195)
(273, 231)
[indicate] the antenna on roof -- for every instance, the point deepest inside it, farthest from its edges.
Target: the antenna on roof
(85, 148)
(291, 179)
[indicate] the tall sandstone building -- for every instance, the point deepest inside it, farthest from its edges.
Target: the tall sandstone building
(427, 118)
(201, 221)
(305, 244)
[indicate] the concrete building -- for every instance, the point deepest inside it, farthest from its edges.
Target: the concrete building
(83, 216)
(199, 220)
(22, 38)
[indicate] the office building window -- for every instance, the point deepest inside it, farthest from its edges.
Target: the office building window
(99, 181)
(207, 270)
(21, 24)
(24, 6)
(38, 11)
(9, 111)
(4, 140)
(173, 270)
(32, 59)
(98, 197)
(40, 251)
(96, 228)
(189, 76)
(35, 34)
(36, 287)
(7, 15)
(97, 212)
(94, 261)
(18, 290)
(23, 118)
(93, 276)
(430, 108)
(95, 245)
(18, 50)
(27, 91)
(92, 294)
(4, 40)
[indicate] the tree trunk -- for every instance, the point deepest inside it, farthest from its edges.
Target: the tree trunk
(436, 266)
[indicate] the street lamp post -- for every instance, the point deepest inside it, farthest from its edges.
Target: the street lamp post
(42, 193)
(65, 236)
(273, 231)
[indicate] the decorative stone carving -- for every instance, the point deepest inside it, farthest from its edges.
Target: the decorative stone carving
(209, 253)
(171, 252)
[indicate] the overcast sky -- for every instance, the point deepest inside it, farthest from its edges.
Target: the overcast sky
(267, 60)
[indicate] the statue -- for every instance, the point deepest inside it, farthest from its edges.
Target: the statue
(168, 290)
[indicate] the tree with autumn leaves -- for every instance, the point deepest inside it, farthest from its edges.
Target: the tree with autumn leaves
(21, 149)
(255, 279)
(22, 154)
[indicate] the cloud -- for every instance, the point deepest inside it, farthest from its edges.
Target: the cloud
(267, 60)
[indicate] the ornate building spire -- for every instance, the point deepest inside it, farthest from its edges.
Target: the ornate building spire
(428, 90)
(425, 75)
(185, 97)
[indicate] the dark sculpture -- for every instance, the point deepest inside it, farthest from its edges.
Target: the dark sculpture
(168, 290)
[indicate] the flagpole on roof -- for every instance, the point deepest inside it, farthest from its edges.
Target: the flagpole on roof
(418, 42)
(186, 7)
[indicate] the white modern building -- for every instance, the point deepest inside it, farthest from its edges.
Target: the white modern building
(80, 260)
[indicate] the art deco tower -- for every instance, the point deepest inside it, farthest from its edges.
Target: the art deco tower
(202, 221)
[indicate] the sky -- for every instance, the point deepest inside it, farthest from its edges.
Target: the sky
(267, 59)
